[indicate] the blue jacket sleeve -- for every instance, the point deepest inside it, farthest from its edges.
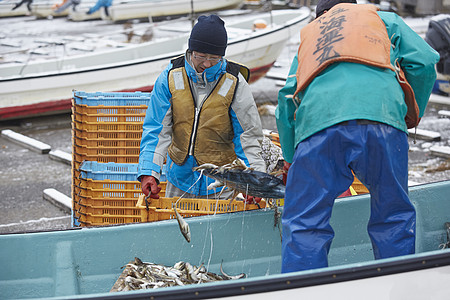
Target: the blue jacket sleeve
(157, 128)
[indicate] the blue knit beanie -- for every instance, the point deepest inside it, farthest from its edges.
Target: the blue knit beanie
(209, 36)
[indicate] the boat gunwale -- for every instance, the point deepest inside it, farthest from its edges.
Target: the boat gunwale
(287, 281)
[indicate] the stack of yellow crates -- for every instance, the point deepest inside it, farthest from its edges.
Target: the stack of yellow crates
(106, 135)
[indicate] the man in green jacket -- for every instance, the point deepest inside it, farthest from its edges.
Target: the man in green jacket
(342, 110)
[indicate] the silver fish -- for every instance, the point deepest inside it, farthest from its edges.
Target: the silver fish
(180, 265)
(144, 275)
(191, 272)
(184, 227)
(229, 277)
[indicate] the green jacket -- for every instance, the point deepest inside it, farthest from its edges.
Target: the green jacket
(348, 91)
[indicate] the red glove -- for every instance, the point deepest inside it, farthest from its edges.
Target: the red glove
(252, 200)
(285, 171)
(149, 185)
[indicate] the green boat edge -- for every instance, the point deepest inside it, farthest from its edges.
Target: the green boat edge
(85, 263)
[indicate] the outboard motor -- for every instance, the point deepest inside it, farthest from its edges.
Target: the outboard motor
(438, 37)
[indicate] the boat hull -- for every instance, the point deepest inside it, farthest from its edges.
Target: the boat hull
(6, 9)
(64, 104)
(80, 15)
(132, 68)
(158, 8)
(86, 262)
(44, 9)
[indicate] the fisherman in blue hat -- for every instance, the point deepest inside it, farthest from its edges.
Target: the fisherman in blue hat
(201, 111)
(360, 79)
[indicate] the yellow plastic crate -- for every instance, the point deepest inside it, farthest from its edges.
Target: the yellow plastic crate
(359, 187)
(109, 110)
(107, 184)
(108, 118)
(75, 167)
(84, 213)
(104, 158)
(102, 220)
(108, 135)
(89, 211)
(106, 143)
(106, 151)
(94, 199)
(107, 126)
(89, 196)
(79, 202)
(161, 209)
(90, 193)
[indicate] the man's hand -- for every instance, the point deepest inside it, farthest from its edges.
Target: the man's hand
(285, 171)
(150, 186)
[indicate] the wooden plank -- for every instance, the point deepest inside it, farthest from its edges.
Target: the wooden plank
(58, 199)
(444, 113)
(441, 151)
(280, 83)
(25, 141)
(425, 135)
(437, 99)
(276, 76)
(61, 156)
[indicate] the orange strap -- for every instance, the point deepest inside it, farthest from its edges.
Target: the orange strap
(412, 115)
(348, 32)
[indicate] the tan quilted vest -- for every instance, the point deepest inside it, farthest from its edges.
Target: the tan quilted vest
(213, 141)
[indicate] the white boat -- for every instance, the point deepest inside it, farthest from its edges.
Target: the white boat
(46, 86)
(6, 8)
(132, 9)
(45, 9)
(80, 14)
(142, 9)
